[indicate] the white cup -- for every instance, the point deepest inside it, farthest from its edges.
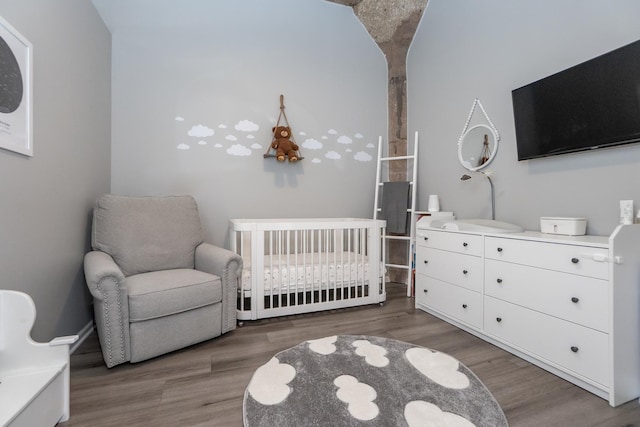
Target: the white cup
(434, 203)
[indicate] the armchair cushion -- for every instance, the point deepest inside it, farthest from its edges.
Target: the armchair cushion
(145, 234)
(163, 293)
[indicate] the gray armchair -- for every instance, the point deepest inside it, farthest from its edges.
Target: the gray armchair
(156, 286)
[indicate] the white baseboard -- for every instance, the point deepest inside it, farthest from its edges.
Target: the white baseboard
(82, 334)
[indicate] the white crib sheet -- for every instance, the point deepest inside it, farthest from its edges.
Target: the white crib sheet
(310, 271)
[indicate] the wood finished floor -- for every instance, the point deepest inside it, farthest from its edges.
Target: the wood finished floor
(203, 385)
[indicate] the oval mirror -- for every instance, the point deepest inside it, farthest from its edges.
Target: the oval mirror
(477, 147)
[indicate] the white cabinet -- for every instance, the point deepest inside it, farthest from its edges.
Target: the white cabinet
(449, 275)
(578, 299)
(566, 345)
(568, 304)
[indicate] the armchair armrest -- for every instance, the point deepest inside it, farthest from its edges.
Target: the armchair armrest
(227, 265)
(99, 267)
(111, 309)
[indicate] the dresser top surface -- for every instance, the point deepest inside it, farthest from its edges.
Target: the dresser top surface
(596, 241)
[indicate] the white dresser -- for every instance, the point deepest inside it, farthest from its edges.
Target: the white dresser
(570, 304)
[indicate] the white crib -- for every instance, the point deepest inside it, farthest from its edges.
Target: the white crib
(296, 266)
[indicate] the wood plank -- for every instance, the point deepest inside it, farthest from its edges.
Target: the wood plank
(204, 385)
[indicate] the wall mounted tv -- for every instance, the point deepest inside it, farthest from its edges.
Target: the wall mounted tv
(595, 104)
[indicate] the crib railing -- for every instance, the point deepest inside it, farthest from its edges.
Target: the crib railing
(301, 265)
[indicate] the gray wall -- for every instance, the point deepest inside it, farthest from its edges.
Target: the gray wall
(46, 199)
(464, 50)
(212, 66)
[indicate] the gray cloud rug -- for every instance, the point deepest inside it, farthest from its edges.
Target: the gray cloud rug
(367, 381)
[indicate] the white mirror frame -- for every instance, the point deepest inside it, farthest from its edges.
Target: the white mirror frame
(491, 129)
(466, 162)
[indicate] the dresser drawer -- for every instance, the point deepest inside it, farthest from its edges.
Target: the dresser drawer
(459, 269)
(568, 346)
(579, 299)
(573, 259)
(453, 301)
(470, 244)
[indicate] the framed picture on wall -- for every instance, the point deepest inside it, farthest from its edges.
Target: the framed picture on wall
(15, 91)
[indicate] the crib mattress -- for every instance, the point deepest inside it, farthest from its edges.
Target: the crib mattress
(311, 271)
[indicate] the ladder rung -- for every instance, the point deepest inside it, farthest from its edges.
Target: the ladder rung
(409, 210)
(381, 183)
(397, 158)
(392, 237)
(405, 267)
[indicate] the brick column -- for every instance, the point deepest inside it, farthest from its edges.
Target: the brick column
(392, 24)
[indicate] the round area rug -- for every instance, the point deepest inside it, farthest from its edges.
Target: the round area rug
(367, 381)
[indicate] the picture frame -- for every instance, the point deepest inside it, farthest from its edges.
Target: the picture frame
(16, 102)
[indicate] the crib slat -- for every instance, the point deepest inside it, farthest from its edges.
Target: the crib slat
(340, 247)
(351, 237)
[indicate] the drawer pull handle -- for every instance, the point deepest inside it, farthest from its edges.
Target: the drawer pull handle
(426, 238)
(574, 349)
(498, 319)
(465, 272)
(465, 244)
(426, 262)
(499, 280)
(425, 291)
(575, 299)
(464, 305)
(499, 249)
(575, 260)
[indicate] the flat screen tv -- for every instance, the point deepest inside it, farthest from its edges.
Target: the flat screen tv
(595, 104)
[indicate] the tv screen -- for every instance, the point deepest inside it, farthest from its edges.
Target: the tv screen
(595, 104)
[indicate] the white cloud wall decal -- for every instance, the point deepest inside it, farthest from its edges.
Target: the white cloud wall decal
(361, 156)
(238, 150)
(333, 155)
(312, 144)
(246, 126)
(200, 131)
(249, 127)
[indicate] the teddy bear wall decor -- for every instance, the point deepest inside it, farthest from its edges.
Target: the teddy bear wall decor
(283, 143)
(285, 147)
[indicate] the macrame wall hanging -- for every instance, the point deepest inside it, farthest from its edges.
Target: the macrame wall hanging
(283, 145)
